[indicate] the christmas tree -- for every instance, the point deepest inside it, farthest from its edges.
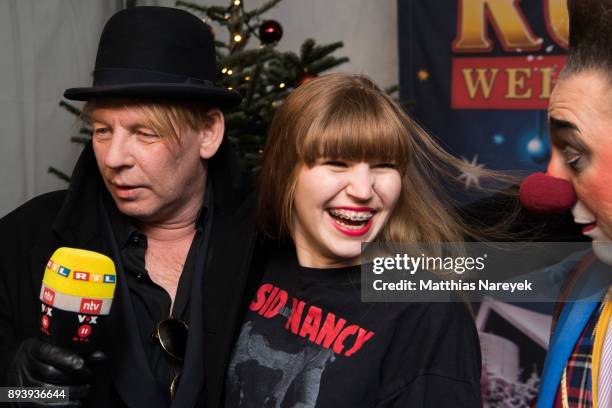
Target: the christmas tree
(262, 74)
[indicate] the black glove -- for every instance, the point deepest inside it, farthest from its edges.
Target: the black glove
(40, 364)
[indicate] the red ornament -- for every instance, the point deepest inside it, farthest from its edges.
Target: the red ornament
(305, 77)
(270, 31)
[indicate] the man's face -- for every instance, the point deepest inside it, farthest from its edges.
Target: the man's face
(151, 177)
(580, 117)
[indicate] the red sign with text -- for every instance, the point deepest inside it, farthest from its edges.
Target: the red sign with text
(523, 82)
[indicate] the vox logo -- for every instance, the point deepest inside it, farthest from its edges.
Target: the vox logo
(47, 310)
(88, 319)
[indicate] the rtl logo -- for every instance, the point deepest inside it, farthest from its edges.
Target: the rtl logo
(64, 271)
(84, 276)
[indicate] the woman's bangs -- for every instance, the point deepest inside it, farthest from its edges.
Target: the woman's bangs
(357, 135)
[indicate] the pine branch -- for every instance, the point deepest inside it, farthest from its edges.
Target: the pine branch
(291, 58)
(406, 104)
(81, 140)
(259, 11)
(392, 89)
(321, 51)
(216, 10)
(306, 49)
(59, 174)
(191, 6)
(279, 73)
(70, 108)
(251, 56)
(251, 87)
(221, 44)
(316, 58)
(326, 64)
(216, 13)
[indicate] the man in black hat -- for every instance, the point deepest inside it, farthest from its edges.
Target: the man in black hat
(157, 191)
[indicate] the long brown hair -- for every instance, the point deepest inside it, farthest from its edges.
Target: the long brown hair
(347, 116)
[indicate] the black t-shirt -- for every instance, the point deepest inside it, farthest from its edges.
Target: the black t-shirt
(309, 341)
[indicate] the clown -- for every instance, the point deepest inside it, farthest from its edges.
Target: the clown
(578, 368)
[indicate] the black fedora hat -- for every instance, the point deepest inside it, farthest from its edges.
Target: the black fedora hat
(156, 52)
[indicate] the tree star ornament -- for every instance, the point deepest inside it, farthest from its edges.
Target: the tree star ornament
(423, 75)
(470, 172)
(270, 31)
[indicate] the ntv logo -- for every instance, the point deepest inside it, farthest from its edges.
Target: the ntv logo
(91, 306)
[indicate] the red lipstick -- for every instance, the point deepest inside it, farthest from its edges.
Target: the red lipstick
(352, 232)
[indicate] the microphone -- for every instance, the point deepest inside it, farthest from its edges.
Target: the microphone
(76, 296)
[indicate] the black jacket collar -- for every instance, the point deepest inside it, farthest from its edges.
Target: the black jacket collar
(77, 220)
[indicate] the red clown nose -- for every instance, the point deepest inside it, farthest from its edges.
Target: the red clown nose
(545, 194)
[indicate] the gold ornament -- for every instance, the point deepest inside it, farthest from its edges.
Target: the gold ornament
(423, 75)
